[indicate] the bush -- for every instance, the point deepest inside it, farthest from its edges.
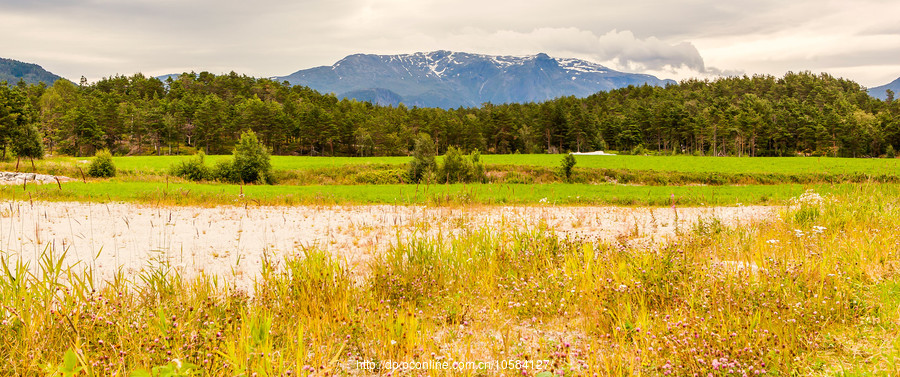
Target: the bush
(223, 170)
(455, 167)
(889, 152)
(423, 159)
(193, 169)
(458, 168)
(102, 166)
(477, 172)
(639, 150)
(381, 177)
(251, 160)
(568, 163)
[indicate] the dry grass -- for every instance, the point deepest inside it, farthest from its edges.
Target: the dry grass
(812, 292)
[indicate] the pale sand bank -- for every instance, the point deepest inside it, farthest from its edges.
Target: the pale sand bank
(230, 241)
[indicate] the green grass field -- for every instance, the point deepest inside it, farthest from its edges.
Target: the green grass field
(691, 164)
(183, 193)
(731, 165)
(515, 179)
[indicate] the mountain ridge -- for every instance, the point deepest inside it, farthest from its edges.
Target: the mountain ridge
(12, 71)
(880, 92)
(452, 79)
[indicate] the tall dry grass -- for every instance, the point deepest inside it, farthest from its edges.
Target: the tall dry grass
(813, 292)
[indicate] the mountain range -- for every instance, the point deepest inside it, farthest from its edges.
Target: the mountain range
(441, 78)
(452, 79)
(12, 71)
(880, 92)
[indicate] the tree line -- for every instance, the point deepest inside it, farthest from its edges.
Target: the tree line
(800, 113)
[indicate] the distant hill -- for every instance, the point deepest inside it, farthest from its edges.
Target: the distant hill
(452, 79)
(12, 71)
(173, 76)
(880, 91)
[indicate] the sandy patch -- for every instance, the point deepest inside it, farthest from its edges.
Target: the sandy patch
(230, 241)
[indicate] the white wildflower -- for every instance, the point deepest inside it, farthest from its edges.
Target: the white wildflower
(808, 198)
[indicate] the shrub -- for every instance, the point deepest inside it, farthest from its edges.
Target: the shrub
(458, 168)
(455, 167)
(639, 150)
(568, 163)
(223, 170)
(381, 177)
(423, 159)
(102, 166)
(251, 160)
(477, 172)
(889, 152)
(193, 169)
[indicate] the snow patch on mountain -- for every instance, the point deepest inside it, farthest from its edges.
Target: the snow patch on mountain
(451, 79)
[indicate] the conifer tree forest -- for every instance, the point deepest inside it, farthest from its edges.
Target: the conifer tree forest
(800, 113)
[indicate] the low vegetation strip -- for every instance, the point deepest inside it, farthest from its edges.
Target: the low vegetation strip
(640, 170)
(211, 194)
(798, 295)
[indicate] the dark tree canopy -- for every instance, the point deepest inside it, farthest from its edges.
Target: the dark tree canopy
(17, 129)
(800, 113)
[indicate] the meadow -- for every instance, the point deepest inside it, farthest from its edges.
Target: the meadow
(812, 291)
(511, 179)
(678, 163)
(207, 194)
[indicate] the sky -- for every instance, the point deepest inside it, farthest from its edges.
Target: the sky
(858, 40)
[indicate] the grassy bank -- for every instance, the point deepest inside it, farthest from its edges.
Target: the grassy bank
(814, 292)
(185, 193)
(642, 170)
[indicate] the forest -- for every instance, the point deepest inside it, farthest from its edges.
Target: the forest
(798, 114)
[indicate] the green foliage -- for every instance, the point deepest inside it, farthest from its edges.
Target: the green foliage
(639, 150)
(193, 169)
(381, 177)
(83, 135)
(17, 128)
(175, 368)
(567, 165)
(71, 365)
(730, 116)
(223, 170)
(455, 168)
(458, 168)
(102, 165)
(889, 152)
(251, 160)
(27, 142)
(476, 174)
(423, 161)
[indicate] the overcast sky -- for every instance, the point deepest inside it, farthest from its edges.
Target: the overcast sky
(859, 40)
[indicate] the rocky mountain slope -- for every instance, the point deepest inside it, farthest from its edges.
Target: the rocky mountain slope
(452, 79)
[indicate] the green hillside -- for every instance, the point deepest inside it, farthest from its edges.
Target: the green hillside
(12, 71)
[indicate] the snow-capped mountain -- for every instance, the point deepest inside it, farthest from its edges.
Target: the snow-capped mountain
(452, 79)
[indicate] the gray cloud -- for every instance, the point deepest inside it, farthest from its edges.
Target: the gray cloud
(272, 37)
